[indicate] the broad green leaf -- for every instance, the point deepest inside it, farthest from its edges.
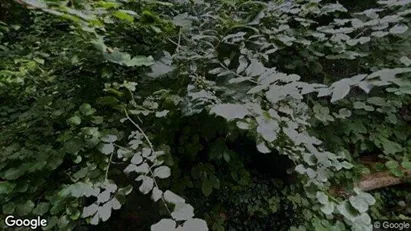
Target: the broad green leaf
(74, 121)
(182, 212)
(9, 208)
(392, 164)
(328, 208)
(123, 16)
(156, 194)
(35, 3)
(406, 61)
(162, 172)
(41, 208)
(243, 63)
(137, 159)
(7, 187)
(347, 210)
(406, 164)
(25, 208)
(359, 203)
(398, 29)
(340, 91)
(126, 190)
(86, 109)
(104, 211)
(106, 149)
(11, 174)
(164, 225)
(230, 111)
(143, 168)
(207, 187)
(255, 68)
(172, 197)
(162, 113)
(261, 147)
(195, 224)
(377, 101)
(322, 198)
(182, 20)
(146, 185)
(108, 100)
(108, 138)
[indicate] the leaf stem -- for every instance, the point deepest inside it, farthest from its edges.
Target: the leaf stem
(108, 165)
(152, 149)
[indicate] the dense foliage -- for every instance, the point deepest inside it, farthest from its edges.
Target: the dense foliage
(204, 115)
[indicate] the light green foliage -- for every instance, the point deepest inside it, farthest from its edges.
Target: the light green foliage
(106, 100)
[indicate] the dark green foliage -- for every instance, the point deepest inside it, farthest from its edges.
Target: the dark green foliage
(138, 115)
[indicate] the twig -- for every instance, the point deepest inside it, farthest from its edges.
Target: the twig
(152, 149)
(250, 80)
(108, 165)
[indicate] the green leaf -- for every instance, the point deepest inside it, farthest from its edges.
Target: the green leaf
(344, 112)
(261, 147)
(404, 164)
(406, 61)
(73, 146)
(397, 172)
(268, 129)
(97, 119)
(6, 187)
(226, 156)
(9, 208)
(390, 147)
(162, 172)
(139, 61)
(156, 194)
(89, 210)
(123, 16)
(125, 191)
(74, 121)
(106, 149)
(195, 224)
(377, 101)
(340, 90)
(107, 100)
(35, 3)
(215, 182)
(86, 109)
(207, 187)
(41, 208)
(182, 211)
(172, 197)
(322, 198)
(147, 184)
(25, 208)
(108, 138)
(12, 174)
(75, 214)
(230, 111)
(398, 29)
(347, 210)
(359, 203)
(328, 208)
(164, 225)
(162, 113)
(392, 164)
(255, 68)
(182, 20)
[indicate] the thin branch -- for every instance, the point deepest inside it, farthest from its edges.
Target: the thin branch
(108, 165)
(152, 149)
(141, 131)
(238, 75)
